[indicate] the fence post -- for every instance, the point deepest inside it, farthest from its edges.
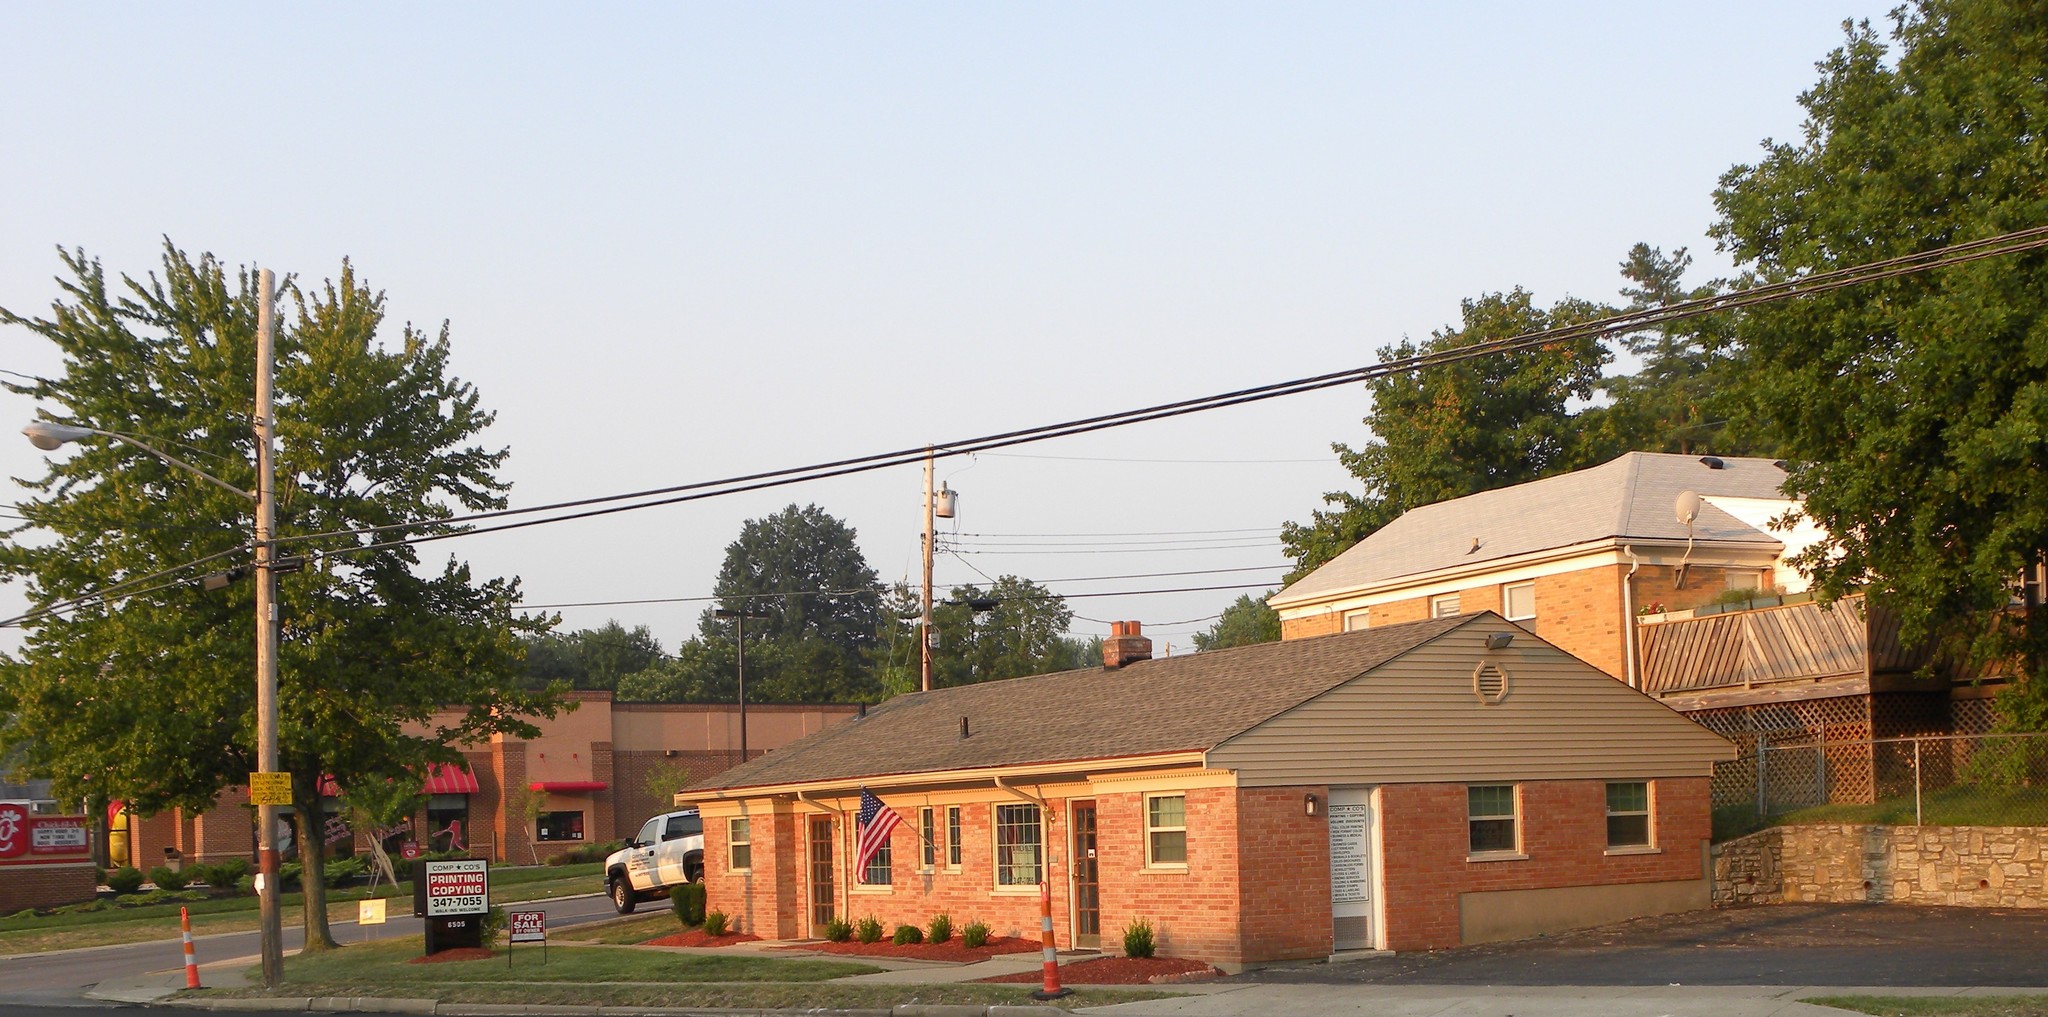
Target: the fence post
(1762, 747)
(1821, 766)
(1916, 783)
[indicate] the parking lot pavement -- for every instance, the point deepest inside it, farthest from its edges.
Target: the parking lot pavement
(1782, 944)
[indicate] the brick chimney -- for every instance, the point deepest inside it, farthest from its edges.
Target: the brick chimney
(1126, 645)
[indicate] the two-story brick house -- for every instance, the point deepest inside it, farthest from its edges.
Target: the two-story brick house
(1573, 558)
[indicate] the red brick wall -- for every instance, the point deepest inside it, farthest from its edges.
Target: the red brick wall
(44, 886)
(1328, 623)
(1581, 613)
(1193, 911)
(1564, 832)
(1280, 911)
(1284, 854)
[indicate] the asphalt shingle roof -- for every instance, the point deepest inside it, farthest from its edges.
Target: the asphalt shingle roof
(1629, 498)
(1192, 702)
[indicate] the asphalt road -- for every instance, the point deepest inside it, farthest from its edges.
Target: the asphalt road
(60, 976)
(1778, 944)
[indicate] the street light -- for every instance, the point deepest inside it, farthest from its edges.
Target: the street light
(49, 436)
(739, 619)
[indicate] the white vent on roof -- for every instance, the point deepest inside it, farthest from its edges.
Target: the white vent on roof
(1489, 683)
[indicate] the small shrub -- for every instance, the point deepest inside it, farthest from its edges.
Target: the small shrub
(99, 876)
(288, 877)
(868, 930)
(494, 926)
(167, 878)
(940, 930)
(340, 870)
(1138, 939)
(124, 880)
(974, 936)
(716, 924)
(688, 902)
(837, 930)
(906, 935)
(585, 853)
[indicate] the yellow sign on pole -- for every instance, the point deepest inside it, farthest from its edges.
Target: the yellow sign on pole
(270, 789)
(370, 912)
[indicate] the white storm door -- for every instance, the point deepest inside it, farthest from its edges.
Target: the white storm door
(1353, 873)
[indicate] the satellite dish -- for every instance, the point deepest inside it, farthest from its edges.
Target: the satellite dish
(1688, 507)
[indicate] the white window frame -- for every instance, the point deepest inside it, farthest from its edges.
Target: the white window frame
(1648, 812)
(885, 856)
(1507, 601)
(1152, 860)
(954, 829)
(928, 837)
(996, 829)
(1438, 603)
(739, 836)
(1513, 815)
(1357, 618)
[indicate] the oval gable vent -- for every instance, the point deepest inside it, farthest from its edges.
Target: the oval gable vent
(1489, 683)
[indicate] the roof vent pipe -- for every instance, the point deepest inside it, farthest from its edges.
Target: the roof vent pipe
(963, 727)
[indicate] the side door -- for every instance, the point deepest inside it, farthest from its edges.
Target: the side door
(680, 834)
(640, 859)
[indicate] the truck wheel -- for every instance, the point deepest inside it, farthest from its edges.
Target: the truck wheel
(623, 897)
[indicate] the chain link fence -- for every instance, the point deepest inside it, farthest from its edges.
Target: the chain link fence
(1929, 780)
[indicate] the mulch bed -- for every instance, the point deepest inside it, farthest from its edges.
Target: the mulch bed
(696, 937)
(950, 950)
(460, 953)
(1119, 971)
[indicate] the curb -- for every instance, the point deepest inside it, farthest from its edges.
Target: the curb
(378, 1004)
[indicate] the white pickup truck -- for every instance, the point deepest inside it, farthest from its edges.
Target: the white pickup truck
(669, 849)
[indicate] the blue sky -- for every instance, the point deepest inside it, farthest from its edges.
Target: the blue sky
(681, 242)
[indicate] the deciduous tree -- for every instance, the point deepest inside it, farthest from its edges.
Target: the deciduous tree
(1914, 412)
(147, 694)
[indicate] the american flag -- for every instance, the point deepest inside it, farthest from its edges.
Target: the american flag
(876, 821)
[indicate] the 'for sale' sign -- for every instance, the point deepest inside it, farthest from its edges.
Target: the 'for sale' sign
(529, 926)
(458, 887)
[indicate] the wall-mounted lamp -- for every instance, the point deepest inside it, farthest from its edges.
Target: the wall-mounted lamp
(1310, 806)
(1499, 640)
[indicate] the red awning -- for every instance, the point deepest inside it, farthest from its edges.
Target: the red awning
(568, 786)
(441, 780)
(451, 780)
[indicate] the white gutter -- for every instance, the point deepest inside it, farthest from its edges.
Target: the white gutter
(1628, 615)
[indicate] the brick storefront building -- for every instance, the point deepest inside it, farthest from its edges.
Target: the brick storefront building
(593, 764)
(1411, 786)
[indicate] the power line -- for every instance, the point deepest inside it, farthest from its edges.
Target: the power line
(1122, 550)
(1203, 462)
(1089, 543)
(1628, 321)
(1133, 533)
(804, 593)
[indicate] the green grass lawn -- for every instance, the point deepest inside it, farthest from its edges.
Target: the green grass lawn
(37, 933)
(609, 976)
(1958, 806)
(624, 931)
(386, 962)
(1938, 1006)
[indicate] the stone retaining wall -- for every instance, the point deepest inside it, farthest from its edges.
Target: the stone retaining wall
(1974, 866)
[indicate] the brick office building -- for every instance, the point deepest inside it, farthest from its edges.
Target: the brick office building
(592, 763)
(1411, 786)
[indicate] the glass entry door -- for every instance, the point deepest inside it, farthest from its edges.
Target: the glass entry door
(823, 892)
(1087, 886)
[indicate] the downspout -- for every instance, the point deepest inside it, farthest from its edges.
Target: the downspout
(1628, 611)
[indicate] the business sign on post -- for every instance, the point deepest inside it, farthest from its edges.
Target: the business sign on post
(270, 788)
(458, 887)
(29, 839)
(453, 896)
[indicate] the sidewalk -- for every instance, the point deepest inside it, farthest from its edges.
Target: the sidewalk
(1192, 999)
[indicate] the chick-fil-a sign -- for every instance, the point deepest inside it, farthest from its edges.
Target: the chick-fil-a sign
(26, 837)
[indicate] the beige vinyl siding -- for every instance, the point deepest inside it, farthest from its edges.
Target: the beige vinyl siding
(1415, 719)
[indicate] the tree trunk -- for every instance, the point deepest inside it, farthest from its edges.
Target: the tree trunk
(312, 857)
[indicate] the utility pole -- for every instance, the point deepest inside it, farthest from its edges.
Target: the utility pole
(924, 628)
(271, 922)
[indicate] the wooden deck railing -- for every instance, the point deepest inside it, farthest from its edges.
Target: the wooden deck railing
(1744, 649)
